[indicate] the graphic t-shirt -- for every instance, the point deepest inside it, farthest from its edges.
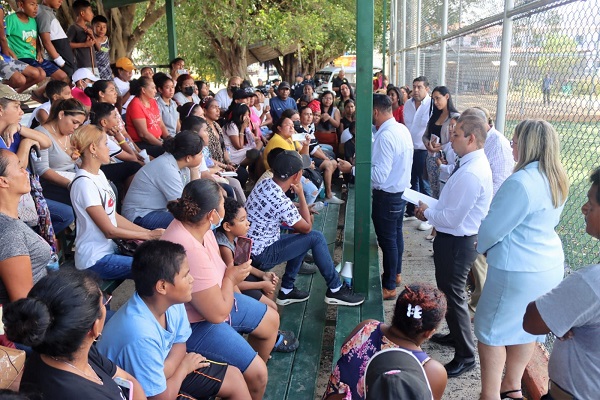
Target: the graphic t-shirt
(267, 208)
(22, 36)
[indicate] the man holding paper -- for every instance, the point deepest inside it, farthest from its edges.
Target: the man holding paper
(463, 203)
(391, 164)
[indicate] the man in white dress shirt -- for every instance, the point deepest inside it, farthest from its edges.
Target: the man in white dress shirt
(416, 115)
(499, 154)
(391, 162)
(463, 203)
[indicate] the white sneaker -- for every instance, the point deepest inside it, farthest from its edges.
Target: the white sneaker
(409, 217)
(424, 226)
(334, 200)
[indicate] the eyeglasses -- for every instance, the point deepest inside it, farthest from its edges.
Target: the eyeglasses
(108, 299)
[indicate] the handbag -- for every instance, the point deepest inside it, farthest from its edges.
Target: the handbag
(127, 247)
(27, 211)
(11, 367)
(313, 175)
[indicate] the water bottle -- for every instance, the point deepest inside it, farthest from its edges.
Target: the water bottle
(318, 206)
(53, 263)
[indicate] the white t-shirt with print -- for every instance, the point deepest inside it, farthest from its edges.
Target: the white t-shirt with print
(267, 208)
(92, 190)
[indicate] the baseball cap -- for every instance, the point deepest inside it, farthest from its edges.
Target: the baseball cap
(396, 374)
(84, 73)
(244, 93)
(125, 63)
(286, 164)
(284, 85)
(6, 92)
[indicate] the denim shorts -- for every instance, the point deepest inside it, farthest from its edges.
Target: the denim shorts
(48, 66)
(223, 342)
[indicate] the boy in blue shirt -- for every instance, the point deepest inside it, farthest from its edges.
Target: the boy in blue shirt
(147, 335)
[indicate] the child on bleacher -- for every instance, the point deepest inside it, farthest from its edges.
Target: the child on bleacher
(19, 75)
(53, 36)
(81, 35)
(55, 90)
(147, 336)
(100, 27)
(259, 285)
(21, 31)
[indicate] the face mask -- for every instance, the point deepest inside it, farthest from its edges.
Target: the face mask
(89, 85)
(182, 71)
(215, 226)
(188, 91)
(298, 126)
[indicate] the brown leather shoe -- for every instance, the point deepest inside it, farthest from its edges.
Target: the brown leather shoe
(389, 294)
(398, 279)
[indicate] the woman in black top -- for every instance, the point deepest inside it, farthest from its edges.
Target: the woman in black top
(62, 316)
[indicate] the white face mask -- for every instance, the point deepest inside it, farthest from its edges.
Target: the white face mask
(182, 71)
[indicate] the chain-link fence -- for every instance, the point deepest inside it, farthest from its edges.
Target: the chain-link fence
(533, 59)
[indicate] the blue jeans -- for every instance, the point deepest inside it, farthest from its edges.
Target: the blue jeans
(387, 215)
(417, 177)
(223, 342)
(61, 215)
(311, 191)
(292, 248)
(154, 220)
(113, 266)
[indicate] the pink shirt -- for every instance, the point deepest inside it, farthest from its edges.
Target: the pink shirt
(206, 265)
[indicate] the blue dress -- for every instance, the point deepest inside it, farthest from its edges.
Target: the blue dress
(524, 255)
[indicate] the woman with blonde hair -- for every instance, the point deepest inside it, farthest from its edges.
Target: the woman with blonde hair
(95, 208)
(524, 255)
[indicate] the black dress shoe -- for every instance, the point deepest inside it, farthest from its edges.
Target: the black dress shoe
(456, 367)
(444, 340)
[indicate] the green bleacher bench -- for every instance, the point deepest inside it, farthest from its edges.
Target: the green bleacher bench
(294, 375)
(109, 286)
(372, 308)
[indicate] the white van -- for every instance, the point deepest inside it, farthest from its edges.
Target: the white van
(324, 78)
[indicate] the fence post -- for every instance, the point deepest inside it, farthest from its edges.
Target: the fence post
(507, 27)
(403, 56)
(393, 42)
(364, 106)
(418, 50)
(383, 37)
(171, 32)
(443, 44)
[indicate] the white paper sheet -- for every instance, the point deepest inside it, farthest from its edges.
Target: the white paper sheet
(414, 197)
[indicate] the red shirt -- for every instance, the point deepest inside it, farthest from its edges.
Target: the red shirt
(137, 110)
(399, 114)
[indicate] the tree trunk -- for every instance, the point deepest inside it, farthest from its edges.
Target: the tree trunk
(231, 55)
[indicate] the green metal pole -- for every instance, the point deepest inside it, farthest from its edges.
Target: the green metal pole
(171, 34)
(383, 37)
(364, 110)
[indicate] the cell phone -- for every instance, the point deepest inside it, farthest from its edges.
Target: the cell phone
(442, 155)
(299, 137)
(126, 387)
(243, 249)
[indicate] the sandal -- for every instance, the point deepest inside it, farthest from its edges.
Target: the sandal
(286, 342)
(504, 395)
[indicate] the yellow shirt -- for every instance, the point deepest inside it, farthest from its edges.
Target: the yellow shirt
(278, 141)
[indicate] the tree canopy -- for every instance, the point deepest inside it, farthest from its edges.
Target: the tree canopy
(213, 37)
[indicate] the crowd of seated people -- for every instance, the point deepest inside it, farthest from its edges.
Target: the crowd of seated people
(180, 163)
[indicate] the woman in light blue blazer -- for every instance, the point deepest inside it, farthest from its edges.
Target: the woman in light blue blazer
(524, 255)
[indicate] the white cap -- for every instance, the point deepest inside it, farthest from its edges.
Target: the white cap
(84, 73)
